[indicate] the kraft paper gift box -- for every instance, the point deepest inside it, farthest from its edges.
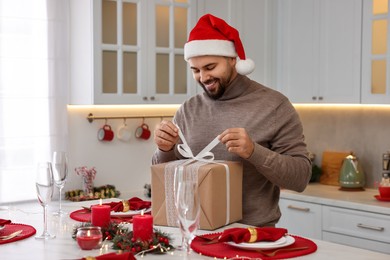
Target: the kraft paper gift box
(213, 191)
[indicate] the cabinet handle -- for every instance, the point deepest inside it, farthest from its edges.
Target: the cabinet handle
(314, 98)
(298, 208)
(145, 98)
(152, 98)
(320, 98)
(370, 227)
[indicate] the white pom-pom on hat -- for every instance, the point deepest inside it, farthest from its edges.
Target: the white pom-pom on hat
(213, 36)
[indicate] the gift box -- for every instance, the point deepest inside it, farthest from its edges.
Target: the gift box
(220, 191)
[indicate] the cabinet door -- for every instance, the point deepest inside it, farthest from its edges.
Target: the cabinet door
(320, 55)
(301, 218)
(138, 51)
(376, 50)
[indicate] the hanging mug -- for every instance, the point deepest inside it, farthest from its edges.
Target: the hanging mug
(124, 132)
(142, 132)
(105, 133)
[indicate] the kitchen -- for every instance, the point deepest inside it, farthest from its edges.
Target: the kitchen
(350, 126)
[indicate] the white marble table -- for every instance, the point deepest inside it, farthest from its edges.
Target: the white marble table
(64, 247)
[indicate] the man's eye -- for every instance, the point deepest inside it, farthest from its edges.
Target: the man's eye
(210, 67)
(195, 70)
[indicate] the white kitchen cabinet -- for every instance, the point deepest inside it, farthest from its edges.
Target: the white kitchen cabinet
(375, 51)
(130, 52)
(301, 218)
(319, 50)
(356, 228)
(351, 218)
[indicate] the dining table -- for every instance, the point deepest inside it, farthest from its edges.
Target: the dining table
(64, 247)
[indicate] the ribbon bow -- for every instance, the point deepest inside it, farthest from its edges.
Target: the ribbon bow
(205, 155)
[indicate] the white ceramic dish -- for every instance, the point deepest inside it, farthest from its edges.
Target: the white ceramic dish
(282, 242)
(129, 213)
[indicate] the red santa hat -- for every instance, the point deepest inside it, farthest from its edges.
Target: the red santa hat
(213, 36)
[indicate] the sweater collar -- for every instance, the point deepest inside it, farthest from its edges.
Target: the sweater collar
(236, 88)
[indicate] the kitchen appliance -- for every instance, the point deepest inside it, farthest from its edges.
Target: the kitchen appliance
(352, 177)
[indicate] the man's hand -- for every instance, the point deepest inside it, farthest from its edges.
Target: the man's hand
(166, 135)
(237, 141)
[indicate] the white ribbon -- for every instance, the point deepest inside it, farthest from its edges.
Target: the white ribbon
(203, 157)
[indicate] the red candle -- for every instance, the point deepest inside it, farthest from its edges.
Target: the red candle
(142, 227)
(100, 215)
(89, 242)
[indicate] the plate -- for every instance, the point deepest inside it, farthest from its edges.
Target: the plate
(1, 227)
(378, 197)
(282, 242)
(129, 213)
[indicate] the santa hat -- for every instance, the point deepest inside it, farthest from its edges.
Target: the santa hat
(213, 36)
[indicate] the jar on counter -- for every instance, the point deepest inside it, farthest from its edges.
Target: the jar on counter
(89, 238)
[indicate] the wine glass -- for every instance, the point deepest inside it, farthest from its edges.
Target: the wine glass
(187, 205)
(60, 173)
(45, 185)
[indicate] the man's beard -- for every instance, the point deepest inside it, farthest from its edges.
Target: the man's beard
(219, 91)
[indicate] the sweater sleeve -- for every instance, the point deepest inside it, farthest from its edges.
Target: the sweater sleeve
(285, 163)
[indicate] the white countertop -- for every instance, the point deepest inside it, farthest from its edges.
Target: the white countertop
(331, 195)
(64, 247)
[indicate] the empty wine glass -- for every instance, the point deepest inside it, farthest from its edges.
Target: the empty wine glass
(187, 205)
(44, 184)
(60, 173)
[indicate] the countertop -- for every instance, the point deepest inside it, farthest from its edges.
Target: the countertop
(64, 247)
(333, 196)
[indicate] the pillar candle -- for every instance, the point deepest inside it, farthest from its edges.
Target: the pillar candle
(142, 227)
(100, 215)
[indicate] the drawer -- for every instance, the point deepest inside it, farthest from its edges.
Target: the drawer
(301, 218)
(356, 223)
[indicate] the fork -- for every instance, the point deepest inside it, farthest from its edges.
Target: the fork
(273, 253)
(12, 235)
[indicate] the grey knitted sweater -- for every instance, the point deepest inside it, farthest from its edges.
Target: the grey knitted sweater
(280, 158)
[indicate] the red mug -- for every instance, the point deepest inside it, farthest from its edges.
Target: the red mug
(105, 133)
(142, 132)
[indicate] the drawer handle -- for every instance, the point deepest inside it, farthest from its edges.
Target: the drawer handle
(298, 208)
(370, 227)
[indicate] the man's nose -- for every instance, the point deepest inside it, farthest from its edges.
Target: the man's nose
(204, 76)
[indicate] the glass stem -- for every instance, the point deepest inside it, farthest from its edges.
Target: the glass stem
(45, 219)
(60, 199)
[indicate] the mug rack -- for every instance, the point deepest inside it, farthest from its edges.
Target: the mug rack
(91, 117)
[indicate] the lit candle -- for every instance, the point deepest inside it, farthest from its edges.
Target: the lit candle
(142, 227)
(100, 215)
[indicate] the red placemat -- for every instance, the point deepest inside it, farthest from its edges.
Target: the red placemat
(28, 231)
(222, 250)
(84, 215)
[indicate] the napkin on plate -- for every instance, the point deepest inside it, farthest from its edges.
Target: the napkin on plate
(255, 234)
(4, 221)
(111, 256)
(131, 204)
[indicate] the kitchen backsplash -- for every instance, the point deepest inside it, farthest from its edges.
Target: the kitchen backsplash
(361, 129)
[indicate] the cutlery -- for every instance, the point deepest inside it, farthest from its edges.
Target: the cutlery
(273, 253)
(12, 235)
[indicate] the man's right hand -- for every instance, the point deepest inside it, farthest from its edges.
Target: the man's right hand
(166, 135)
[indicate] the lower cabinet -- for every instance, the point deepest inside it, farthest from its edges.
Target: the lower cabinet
(301, 218)
(355, 228)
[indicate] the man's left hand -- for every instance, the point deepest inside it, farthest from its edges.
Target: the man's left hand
(237, 141)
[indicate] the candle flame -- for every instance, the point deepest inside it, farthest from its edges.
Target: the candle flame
(100, 202)
(142, 212)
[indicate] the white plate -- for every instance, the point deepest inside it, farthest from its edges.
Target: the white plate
(282, 242)
(129, 213)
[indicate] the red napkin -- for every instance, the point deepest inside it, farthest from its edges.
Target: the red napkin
(112, 256)
(4, 221)
(239, 235)
(134, 204)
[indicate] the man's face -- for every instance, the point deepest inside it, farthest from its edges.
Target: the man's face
(214, 73)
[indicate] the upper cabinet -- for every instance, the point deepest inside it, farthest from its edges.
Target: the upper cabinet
(319, 50)
(376, 52)
(131, 51)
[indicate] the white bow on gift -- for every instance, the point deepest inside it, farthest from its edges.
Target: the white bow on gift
(203, 157)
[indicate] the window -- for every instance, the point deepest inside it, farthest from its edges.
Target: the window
(34, 85)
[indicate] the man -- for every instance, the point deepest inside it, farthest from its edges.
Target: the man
(255, 124)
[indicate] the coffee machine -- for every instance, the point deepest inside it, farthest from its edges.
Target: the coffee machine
(386, 169)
